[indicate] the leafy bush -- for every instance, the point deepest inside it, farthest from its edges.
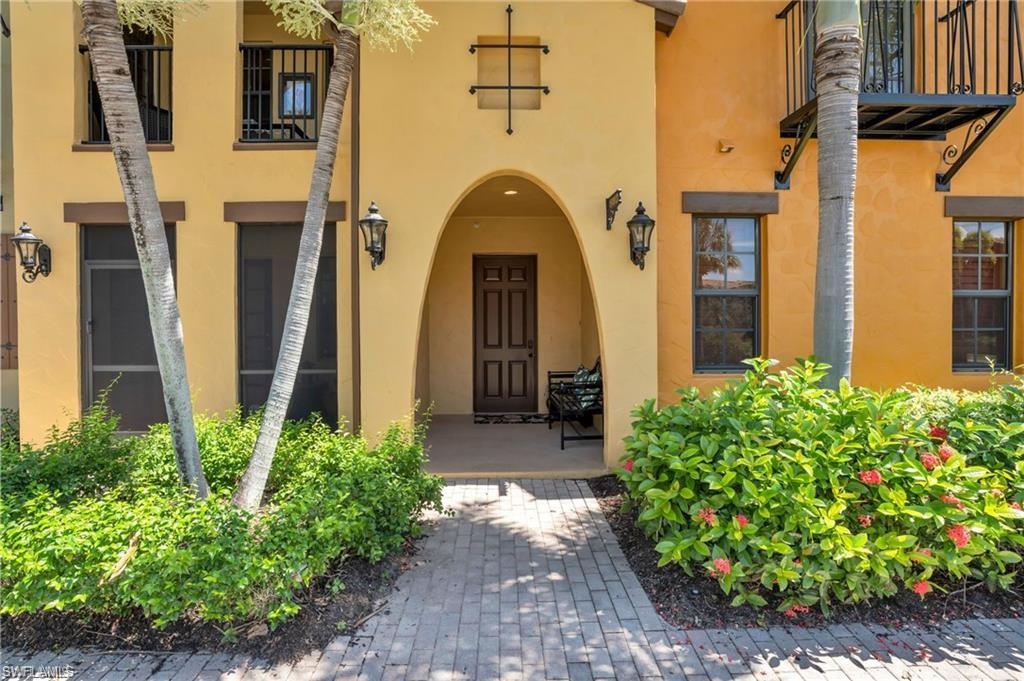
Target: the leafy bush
(93, 522)
(977, 421)
(84, 458)
(788, 492)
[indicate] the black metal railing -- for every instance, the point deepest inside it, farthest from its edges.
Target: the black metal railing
(151, 68)
(283, 89)
(937, 47)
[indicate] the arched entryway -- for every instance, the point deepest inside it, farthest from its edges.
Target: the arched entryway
(508, 301)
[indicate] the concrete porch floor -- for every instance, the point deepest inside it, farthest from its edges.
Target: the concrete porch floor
(459, 448)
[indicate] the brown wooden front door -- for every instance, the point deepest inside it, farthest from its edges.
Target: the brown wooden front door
(504, 333)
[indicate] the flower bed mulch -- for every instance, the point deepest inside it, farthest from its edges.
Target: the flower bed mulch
(323, 616)
(698, 601)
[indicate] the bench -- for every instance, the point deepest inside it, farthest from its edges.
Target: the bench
(575, 397)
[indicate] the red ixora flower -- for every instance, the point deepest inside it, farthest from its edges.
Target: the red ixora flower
(870, 477)
(864, 520)
(1015, 504)
(795, 610)
(960, 535)
(952, 501)
(628, 465)
(742, 521)
(720, 567)
(930, 461)
(921, 588)
(707, 514)
(946, 452)
(938, 433)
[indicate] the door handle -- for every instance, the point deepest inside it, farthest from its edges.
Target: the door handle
(529, 344)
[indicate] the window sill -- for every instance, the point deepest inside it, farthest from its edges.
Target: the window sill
(977, 370)
(726, 373)
(82, 146)
(272, 146)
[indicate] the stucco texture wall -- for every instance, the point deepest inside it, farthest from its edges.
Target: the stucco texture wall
(729, 84)
(585, 140)
(203, 170)
(449, 309)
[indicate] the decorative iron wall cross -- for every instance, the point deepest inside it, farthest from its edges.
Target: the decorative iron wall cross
(509, 86)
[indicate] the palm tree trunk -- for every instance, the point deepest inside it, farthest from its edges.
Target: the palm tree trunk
(102, 30)
(837, 78)
(250, 489)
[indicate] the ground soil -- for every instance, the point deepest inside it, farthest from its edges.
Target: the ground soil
(698, 601)
(323, 616)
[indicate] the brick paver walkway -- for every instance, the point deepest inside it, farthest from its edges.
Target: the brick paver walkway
(526, 580)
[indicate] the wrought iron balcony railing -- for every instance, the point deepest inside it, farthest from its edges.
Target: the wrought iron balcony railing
(928, 67)
(283, 89)
(936, 47)
(151, 68)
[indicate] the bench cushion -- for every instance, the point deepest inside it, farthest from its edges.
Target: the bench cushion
(587, 387)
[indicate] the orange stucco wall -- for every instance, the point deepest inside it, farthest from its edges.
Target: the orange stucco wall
(717, 84)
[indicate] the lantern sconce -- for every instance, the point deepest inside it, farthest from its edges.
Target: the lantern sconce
(640, 226)
(374, 227)
(33, 253)
(611, 207)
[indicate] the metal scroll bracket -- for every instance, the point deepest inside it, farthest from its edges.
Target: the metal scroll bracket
(790, 154)
(977, 132)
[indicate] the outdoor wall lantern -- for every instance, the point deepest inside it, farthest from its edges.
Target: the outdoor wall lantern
(374, 227)
(641, 226)
(611, 207)
(34, 254)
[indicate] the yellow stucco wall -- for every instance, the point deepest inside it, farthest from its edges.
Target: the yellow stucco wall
(729, 84)
(593, 133)
(450, 302)
(203, 171)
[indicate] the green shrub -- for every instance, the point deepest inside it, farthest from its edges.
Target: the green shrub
(133, 537)
(985, 423)
(85, 458)
(789, 492)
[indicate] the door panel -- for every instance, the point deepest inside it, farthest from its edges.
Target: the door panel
(117, 339)
(267, 255)
(505, 333)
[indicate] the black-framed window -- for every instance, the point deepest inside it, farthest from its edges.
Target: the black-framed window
(982, 293)
(726, 292)
(298, 96)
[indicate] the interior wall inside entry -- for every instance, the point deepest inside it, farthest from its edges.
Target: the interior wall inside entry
(490, 222)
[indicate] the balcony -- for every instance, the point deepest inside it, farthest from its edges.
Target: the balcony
(928, 68)
(283, 90)
(151, 71)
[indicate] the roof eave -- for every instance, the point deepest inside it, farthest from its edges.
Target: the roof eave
(666, 13)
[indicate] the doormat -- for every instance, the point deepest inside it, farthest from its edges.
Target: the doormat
(486, 419)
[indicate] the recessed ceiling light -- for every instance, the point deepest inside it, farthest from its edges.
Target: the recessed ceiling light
(510, 192)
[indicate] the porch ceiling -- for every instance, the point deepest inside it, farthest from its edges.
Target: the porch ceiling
(490, 200)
